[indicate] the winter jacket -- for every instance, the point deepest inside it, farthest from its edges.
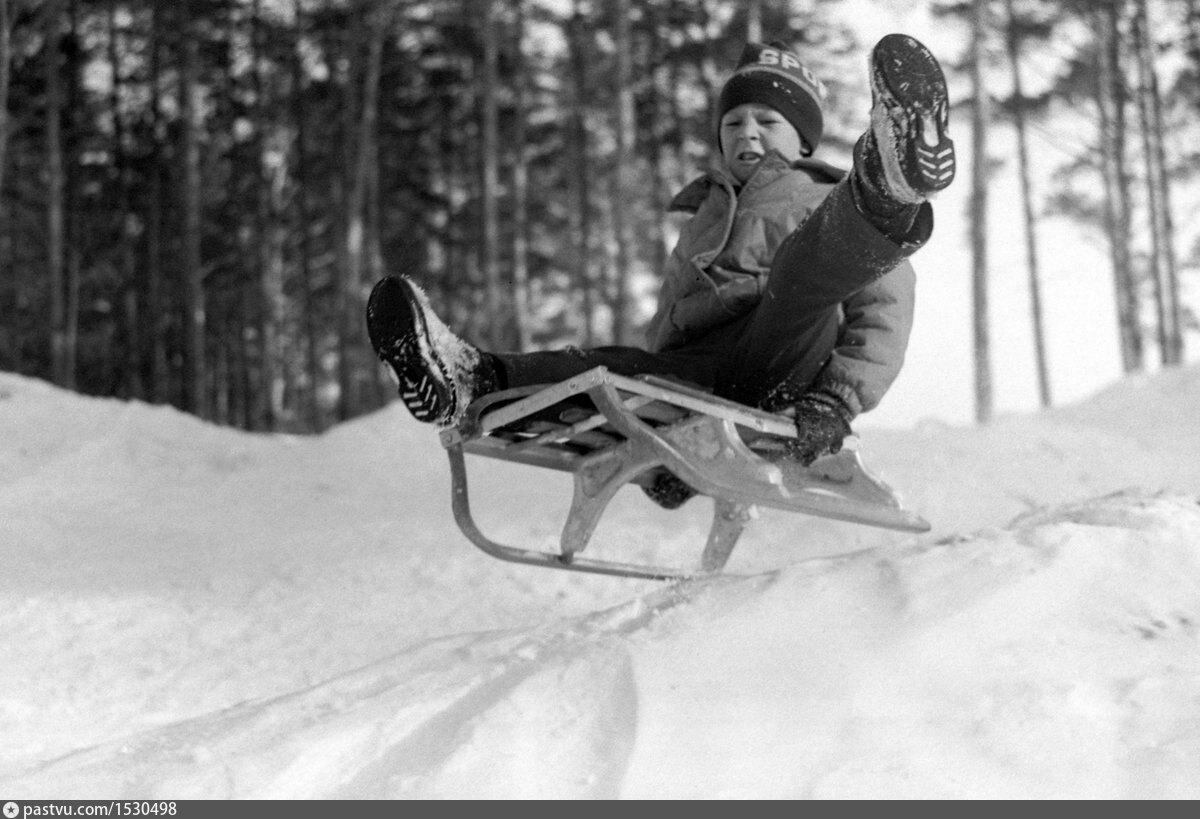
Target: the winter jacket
(718, 269)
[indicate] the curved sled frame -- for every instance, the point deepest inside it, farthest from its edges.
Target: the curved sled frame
(625, 431)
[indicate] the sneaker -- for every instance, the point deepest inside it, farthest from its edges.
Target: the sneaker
(439, 373)
(910, 114)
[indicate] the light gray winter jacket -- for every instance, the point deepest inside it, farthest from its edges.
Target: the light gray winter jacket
(718, 270)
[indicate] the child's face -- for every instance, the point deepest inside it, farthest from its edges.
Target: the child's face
(749, 131)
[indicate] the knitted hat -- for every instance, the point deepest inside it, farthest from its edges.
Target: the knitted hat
(770, 74)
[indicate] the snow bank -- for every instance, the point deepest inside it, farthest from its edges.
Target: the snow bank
(189, 611)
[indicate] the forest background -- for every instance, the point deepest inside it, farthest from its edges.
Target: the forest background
(197, 195)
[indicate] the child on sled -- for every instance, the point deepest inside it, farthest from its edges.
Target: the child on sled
(789, 288)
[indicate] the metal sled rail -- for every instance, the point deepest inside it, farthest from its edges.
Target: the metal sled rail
(610, 430)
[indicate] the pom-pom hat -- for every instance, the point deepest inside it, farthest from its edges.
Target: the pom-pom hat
(770, 74)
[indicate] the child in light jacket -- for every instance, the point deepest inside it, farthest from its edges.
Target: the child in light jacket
(789, 288)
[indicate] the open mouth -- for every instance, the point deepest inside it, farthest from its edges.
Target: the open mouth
(749, 156)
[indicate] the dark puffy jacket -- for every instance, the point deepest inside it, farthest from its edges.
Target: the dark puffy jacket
(719, 266)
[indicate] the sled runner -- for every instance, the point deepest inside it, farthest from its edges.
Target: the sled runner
(611, 430)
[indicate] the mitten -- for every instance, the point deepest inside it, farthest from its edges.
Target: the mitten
(822, 421)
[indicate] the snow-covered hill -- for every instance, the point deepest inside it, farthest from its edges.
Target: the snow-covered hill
(189, 611)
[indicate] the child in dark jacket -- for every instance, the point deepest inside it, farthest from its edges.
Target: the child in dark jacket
(789, 288)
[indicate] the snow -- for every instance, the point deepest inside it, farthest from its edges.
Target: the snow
(188, 611)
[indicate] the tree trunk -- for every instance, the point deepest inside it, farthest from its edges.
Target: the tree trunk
(1111, 97)
(72, 223)
(1031, 244)
(706, 65)
(241, 382)
(660, 92)
(310, 329)
(754, 21)
(5, 74)
(438, 243)
(579, 178)
(372, 255)
(195, 316)
(55, 219)
(155, 354)
(489, 250)
(625, 194)
(1140, 44)
(1159, 188)
(341, 197)
(356, 209)
(133, 370)
(520, 188)
(270, 387)
(978, 217)
(223, 377)
(677, 128)
(659, 188)
(463, 174)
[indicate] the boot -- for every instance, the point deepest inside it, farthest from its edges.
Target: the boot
(906, 155)
(439, 373)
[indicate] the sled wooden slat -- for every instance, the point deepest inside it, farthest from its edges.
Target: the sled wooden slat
(567, 433)
(611, 430)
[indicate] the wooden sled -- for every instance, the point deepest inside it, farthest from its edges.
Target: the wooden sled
(611, 430)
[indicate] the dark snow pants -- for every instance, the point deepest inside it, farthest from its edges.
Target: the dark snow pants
(785, 339)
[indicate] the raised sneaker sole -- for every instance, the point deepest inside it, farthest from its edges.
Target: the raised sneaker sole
(399, 332)
(909, 84)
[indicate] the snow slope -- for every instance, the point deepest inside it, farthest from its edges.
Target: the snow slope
(190, 611)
